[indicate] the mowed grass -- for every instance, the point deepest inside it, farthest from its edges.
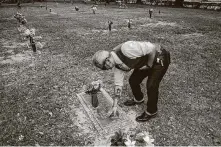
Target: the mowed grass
(38, 95)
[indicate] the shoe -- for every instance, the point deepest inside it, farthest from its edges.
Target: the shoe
(145, 117)
(132, 103)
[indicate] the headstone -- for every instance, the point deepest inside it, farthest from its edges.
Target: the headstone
(151, 12)
(99, 115)
(76, 8)
(33, 45)
(109, 25)
(129, 24)
(94, 9)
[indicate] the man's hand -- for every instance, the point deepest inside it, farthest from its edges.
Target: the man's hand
(93, 86)
(118, 90)
(145, 68)
(113, 113)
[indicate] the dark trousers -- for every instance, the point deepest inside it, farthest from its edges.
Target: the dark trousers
(155, 75)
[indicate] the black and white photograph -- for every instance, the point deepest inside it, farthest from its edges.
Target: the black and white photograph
(110, 73)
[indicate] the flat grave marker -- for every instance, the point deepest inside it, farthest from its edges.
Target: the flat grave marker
(99, 116)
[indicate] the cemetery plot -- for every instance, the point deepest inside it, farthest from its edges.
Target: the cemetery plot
(99, 116)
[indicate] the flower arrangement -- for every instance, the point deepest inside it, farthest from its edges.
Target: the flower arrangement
(21, 18)
(125, 139)
(129, 22)
(25, 32)
(94, 85)
(94, 9)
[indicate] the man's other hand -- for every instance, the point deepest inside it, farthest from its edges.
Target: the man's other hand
(145, 68)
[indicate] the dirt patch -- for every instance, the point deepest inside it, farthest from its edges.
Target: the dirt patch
(132, 115)
(82, 121)
(20, 57)
(10, 44)
(54, 13)
(1, 58)
(10, 71)
(10, 51)
(17, 58)
(160, 23)
(101, 31)
(8, 19)
(84, 32)
(37, 37)
(192, 35)
(16, 45)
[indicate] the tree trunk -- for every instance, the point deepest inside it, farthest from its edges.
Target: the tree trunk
(19, 3)
(139, 2)
(179, 3)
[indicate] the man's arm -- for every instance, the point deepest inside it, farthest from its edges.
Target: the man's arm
(151, 58)
(118, 77)
(118, 82)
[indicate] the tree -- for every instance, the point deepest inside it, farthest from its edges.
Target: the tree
(179, 3)
(19, 3)
(139, 2)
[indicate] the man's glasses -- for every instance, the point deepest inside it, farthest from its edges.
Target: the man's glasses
(104, 63)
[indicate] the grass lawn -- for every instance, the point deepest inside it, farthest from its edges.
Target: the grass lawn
(38, 102)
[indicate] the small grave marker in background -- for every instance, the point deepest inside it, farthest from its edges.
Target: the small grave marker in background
(76, 8)
(94, 9)
(109, 25)
(151, 12)
(129, 24)
(33, 45)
